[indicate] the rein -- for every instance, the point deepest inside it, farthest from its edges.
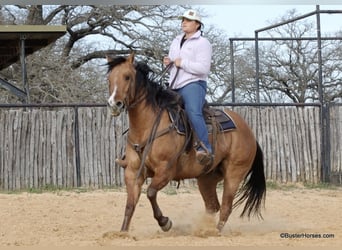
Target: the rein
(144, 148)
(134, 104)
(165, 70)
(174, 79)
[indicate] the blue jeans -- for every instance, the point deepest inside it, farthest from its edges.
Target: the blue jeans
(193, 96)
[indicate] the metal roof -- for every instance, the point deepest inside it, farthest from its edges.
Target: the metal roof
(36, 37)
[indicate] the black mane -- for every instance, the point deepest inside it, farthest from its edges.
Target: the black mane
(157, 95)
(115, 62)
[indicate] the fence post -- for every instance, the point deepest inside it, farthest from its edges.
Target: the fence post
(326, 147)
(232, 73)
(77, 148)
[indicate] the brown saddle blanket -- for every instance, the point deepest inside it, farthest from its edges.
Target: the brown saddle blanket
(221, 119)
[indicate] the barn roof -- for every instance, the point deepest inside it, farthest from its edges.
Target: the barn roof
(36, 37)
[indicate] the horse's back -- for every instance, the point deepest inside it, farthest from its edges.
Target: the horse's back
(241, 125)
(241, 140)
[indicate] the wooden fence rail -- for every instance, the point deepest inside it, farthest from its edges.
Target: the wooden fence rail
(42, 147)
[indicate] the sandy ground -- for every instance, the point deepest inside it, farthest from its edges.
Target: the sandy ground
(93, 218)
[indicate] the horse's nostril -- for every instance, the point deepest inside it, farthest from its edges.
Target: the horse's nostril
(119, 104)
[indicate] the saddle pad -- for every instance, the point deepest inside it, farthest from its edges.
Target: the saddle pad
(225, 122)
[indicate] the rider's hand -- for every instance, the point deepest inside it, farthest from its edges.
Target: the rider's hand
(166, 60)
(178, 62)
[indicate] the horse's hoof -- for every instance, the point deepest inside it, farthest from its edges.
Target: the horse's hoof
(220, 225)
(167, 226)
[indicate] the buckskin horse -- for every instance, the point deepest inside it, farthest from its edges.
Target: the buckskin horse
(155, 149)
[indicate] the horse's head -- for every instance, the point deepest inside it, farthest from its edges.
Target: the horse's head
(132, 83)
(121, 83)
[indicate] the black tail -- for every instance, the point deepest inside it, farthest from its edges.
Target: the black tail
(253, 189)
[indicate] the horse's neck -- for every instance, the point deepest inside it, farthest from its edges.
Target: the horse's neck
(141, 119)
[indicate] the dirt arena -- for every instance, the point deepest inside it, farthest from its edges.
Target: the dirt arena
(93, 218)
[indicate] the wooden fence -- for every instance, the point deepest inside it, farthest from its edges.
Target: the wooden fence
(290, 140)
(72, 147)
(335, 150)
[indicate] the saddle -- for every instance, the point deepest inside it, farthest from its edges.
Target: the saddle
(215, 119)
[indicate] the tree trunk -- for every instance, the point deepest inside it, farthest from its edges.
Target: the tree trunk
(35, 15)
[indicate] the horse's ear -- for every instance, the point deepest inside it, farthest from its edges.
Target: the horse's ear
(131, 58)
(109, 58)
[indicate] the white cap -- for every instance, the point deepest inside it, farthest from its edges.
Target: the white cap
(191, 15)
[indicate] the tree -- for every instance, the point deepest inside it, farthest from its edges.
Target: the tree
(73, 69)
(220, 78)
(289, 68)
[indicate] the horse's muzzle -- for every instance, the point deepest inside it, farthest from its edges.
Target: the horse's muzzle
(116, 108)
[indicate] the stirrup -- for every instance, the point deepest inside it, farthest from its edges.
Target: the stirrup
(204, 158)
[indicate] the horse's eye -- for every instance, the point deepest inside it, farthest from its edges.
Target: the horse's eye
(127, 78)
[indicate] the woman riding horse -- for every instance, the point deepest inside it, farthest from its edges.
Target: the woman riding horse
(153, 149)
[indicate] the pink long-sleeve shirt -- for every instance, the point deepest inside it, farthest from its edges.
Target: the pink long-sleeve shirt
(195, 57)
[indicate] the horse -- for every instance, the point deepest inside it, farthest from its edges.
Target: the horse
(155, 150)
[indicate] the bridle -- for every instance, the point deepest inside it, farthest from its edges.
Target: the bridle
(141, 98)
(135, 103)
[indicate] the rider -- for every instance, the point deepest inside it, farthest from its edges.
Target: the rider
(191, 54)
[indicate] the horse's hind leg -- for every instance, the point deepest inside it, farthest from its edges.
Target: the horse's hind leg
(232, 180)
(207, 186)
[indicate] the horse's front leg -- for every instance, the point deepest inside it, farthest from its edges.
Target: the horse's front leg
(133, 187)
(164, 222)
